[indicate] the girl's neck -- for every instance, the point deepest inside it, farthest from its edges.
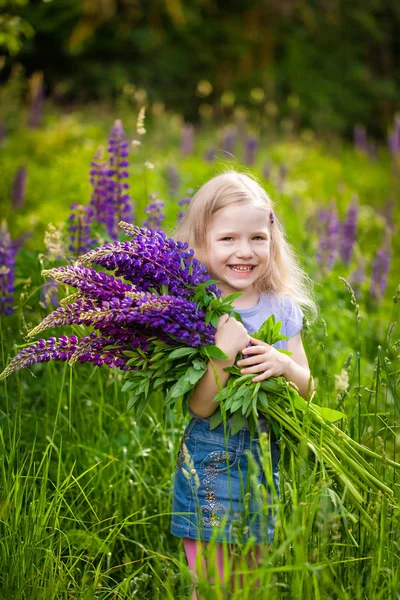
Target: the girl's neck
(248, 299)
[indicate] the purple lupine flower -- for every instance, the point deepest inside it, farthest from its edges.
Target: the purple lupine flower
(7, 274)
(348, 230)
(37, 103)
(184, 202)
(329, 222)
(229, 140)
(49, 293)
(119, 200)
(394, 139)
(151, 259)
(103, 185)
(267, 170)
(380, 270)
(251, 146)
(281, 177)
(173, 179)
(210, 154)
(92, 283)
(154, 211)
(19, 187)
(388, 210)
(360, 138)
(80, 230)
(357, 277)
(187, 140)
(88, 349)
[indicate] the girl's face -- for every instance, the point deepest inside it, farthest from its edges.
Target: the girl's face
(238, 247)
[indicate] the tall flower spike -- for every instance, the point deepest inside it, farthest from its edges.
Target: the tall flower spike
(81, 239)
(348, 231)
(154, 210)
(19, 187)
(7, 275)
(118, 198)
(380, 271)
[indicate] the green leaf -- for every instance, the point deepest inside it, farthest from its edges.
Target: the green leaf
(181, 352)
(194, 375)
(213, 351)
(329, 414)
(232, 297)
(128, 385)
(216, 418)
(237, 423)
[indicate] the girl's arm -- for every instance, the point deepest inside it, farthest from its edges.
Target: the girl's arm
(230, 337)
(268, 361)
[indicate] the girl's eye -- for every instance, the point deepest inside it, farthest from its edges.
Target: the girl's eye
(258, 237)
(227, 238)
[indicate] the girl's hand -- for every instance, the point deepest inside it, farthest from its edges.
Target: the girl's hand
(264, 359)
(231, 336)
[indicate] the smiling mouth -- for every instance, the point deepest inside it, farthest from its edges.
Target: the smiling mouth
(242, 268)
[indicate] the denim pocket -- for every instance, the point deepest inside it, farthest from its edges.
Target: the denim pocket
(219, 460)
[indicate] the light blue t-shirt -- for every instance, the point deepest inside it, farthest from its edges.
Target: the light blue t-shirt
(283, 307)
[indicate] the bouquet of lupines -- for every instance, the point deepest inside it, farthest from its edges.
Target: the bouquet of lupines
(154, 316)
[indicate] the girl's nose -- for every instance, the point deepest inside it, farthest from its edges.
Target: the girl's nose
(244, 250)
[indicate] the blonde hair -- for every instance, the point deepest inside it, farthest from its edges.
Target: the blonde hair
(284, 274)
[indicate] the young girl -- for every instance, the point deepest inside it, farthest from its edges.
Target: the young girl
(232, 227)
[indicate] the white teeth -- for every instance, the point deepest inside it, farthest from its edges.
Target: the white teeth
(240, 269)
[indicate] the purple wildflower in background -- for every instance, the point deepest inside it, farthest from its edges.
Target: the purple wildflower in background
(119, 200)
(154, 210)
(49, 293)
(348, 230)
(101, 201)
(184, 202)
(329, 229)
(229, 140)
(210, 154)
(187, 140)
(250, 150)
(281, 177)
(80, 230)
(360, 139)
(19, 187)
(357, 277)
(7, 275)
(394, 139)
(380, 270)
(267, 170)
(173, 179)
(37, 101)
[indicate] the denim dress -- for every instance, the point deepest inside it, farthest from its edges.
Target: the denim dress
(217, 492)
(226, 488)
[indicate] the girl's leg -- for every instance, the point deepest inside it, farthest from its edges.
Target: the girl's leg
(197, 563)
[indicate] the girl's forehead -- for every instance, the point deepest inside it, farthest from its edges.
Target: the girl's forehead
(249, 214)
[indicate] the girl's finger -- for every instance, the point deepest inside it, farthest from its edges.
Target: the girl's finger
(262, 377)
(255, 341)
(255, 369)
(254, 350)
(251, 360)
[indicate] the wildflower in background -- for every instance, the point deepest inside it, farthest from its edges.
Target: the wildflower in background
(251, 146)
(19, 187)
(102, 209)
(281, 177)
(154, 211)
(357, 277)
(140, 128)
(173, 179)
(37, 90)
(187, 140)
(229, 140)
(342, 380)
(80, 230)
(49, 294)
(53, 242)
(210, 154)
(380, 270)
(185, 202)
(394, 139)
(7, 273)
(119, 200)
(329, 223)
(348, 230)
(267, 170)
(361, 139)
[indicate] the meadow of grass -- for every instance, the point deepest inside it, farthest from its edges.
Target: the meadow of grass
(86, 490)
